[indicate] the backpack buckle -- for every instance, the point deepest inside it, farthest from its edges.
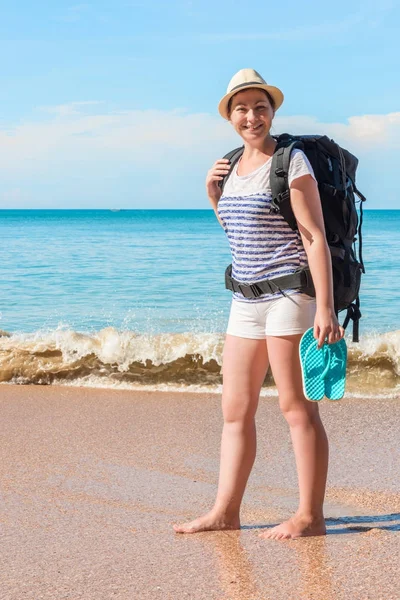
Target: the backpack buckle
(250, 291)
(284, 195)
(256, 290)
(279, 172)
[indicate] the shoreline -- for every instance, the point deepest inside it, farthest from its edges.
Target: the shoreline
(92, 480)
(267, 391)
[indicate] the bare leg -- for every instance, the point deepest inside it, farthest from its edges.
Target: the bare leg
(245, 364)
(309, 441)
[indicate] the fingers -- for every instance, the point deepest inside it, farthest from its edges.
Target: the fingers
(222, 166)
(222, 170)
(218, 171)
(329, 334)
(321, 338)
(333, 335)
(336, 334)
(319, 335)
(217, 175)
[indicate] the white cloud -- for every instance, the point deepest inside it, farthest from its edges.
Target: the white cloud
(131, 136)
(72, 108)
(69, 146)
(139, 136)
(359, 131)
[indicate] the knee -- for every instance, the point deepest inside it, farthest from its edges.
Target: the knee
(238, 412)
(299, 414)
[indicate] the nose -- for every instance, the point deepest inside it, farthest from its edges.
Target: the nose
(251, 117)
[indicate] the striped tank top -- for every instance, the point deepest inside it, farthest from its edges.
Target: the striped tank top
(261, 242)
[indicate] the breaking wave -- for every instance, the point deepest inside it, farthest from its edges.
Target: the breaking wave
(184, 361)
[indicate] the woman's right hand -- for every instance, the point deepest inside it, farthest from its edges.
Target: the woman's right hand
(216, 174)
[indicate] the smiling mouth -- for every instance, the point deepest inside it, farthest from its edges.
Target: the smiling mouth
(253, 128)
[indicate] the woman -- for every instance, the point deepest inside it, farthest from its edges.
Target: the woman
(267, 330)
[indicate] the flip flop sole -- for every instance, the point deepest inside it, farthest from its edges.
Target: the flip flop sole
(312, 366)
(335, 380)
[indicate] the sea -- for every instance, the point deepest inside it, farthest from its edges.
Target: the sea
(135, 299)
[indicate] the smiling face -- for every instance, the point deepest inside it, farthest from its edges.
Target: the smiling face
(251, 114)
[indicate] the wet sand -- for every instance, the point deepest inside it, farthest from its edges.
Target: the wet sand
(92, 480)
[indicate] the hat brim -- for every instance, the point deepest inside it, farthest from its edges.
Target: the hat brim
(273, 91)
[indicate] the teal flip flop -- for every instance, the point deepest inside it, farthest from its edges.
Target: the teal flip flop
(313, 365)
(324, 369)
(335, 379)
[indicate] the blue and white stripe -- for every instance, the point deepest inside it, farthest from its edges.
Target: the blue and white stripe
(262, 243)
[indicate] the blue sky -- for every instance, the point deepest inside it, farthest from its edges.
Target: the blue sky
(114, 104)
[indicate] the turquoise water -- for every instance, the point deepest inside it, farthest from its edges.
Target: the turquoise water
(150, 271)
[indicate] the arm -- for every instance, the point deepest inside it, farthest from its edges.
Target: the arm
(217, 172)
(306, 205)
(214, 204)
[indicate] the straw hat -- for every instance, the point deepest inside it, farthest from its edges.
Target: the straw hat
(244, 79)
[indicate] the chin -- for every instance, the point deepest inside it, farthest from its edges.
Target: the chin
(254, 136)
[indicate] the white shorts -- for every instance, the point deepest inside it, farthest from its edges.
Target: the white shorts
(283, 316)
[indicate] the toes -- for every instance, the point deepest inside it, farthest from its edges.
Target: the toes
(268, 535)
(275, 534)
(182, 528)
(265, 535)
(272, 535)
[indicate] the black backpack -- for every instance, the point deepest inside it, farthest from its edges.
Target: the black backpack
(335, 171)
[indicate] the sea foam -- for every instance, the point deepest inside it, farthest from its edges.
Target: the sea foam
(113, 358)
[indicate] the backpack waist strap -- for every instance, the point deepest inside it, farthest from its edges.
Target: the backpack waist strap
(299, 280)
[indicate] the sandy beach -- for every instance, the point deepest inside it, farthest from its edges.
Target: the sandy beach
(92, 481)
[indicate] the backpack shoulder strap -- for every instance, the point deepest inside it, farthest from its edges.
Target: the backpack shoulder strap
(233, 156)
(279, 178)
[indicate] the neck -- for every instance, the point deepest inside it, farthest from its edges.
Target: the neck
(265, 146)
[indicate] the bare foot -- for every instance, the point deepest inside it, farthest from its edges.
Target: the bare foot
(295, 527)
(208, 522)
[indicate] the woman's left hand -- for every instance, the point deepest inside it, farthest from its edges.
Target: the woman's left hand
(326, 326)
